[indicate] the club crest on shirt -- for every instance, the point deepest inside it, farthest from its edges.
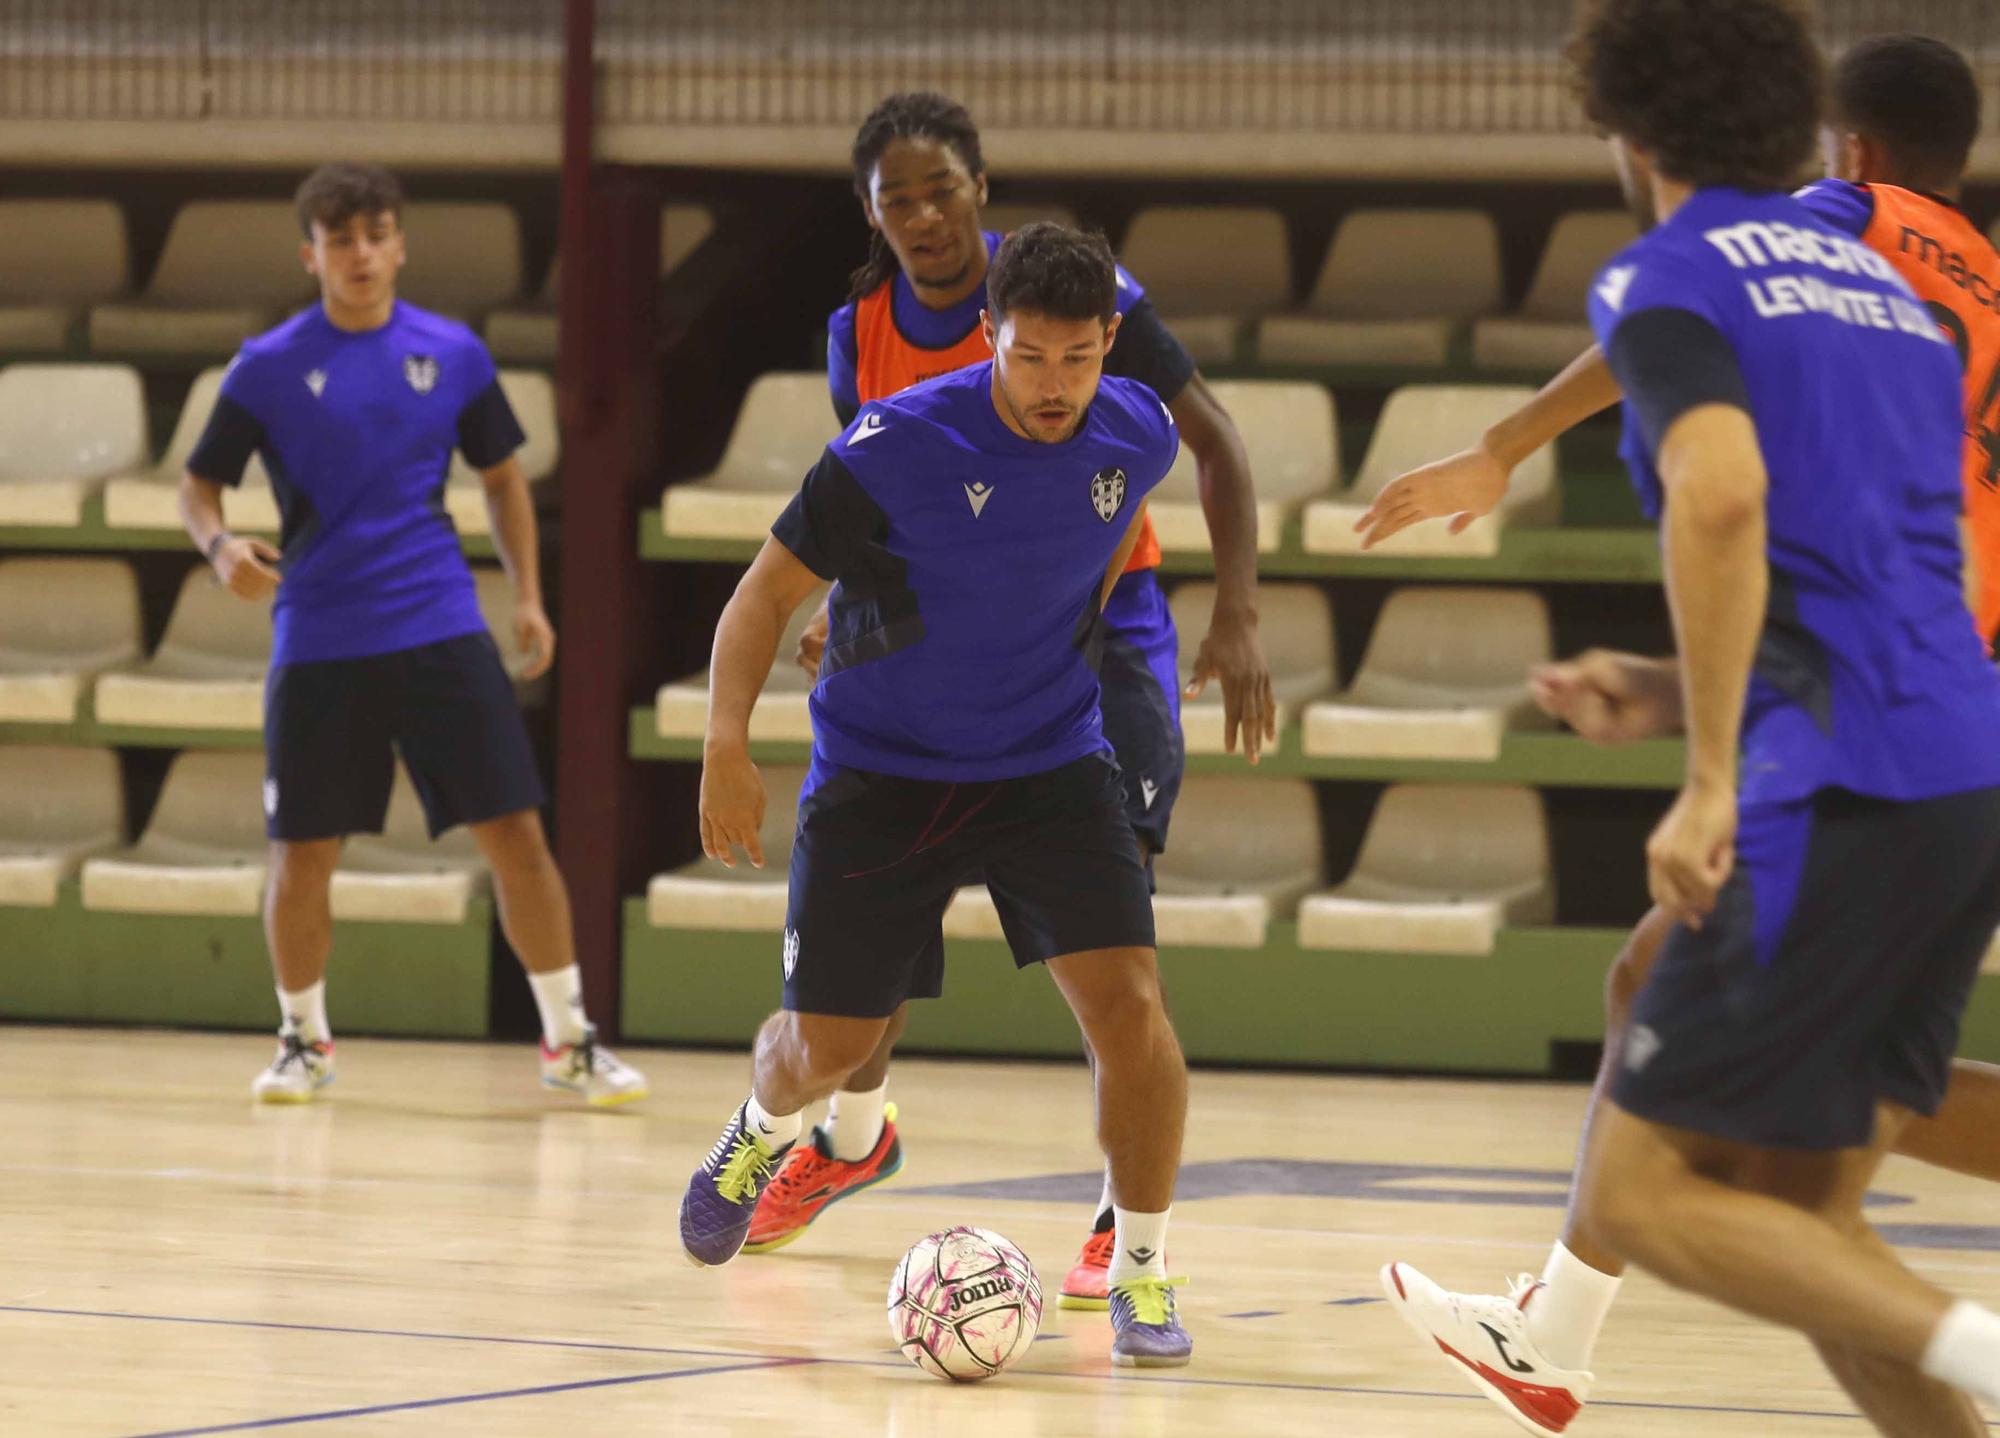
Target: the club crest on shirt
(421, 371)
(1107, 493)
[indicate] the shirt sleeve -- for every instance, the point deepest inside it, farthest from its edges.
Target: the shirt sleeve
(1669, 361)
(831, 521)
(840, 365)
(487, 430)
(1147, 351)
(232, 435)
(1848, 208)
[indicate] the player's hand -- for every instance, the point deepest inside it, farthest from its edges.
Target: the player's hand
(732, 805)
(1609, 697)
(535, 637)
(812, 642)
(1692, 852)
(1232, 653)
(1463, 487)
(248, 568)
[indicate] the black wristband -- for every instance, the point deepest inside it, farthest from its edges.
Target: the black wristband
(222, 537)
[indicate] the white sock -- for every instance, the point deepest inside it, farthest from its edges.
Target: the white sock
(854, 1120)
(774, 1131)
(304, 1013)
(1964, 1351)
(1142, 1245)
(559, 996)
(1567, 1313)
(1101, 1216)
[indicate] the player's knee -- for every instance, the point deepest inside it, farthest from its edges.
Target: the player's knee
(828, 1050)
(1119, 1005)
(515, 845)
(301, 869)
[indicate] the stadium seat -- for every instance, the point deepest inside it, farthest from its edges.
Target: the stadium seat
(1421, 423)
(64, 430)
(57, 808)
(1241, 850)
(1396, 288)
(705, 895)
(149, 498)
(680, 711)
(1210, 271)
(1296, 625)
(62, 621)
(230, 270)
(402, 875)
(1442, 870)
(1289, 432)
(1552, 328)
(1445, 677)
(1008, 218)
(464, 257)
(204, 850)
(533, 399)
(526, 334)
(57, 258)
(208, 672)
(785, 421)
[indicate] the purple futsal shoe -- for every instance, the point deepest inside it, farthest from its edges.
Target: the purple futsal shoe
(1146, 1330)
(722, 1194)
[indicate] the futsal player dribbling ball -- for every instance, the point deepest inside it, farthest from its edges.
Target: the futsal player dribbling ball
(355, 406)
(973, 526)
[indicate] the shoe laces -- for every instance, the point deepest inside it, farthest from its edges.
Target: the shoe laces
(292, 1049)
(803, 1167)
(1150, 1299)
(1098, 1248)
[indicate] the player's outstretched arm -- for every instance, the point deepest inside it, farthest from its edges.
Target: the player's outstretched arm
(511, 507)
(746, 643)
(1231, 652)
(246, 567)
(1474, 481)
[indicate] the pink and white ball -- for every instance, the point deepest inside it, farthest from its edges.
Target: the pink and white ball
(964, 1304)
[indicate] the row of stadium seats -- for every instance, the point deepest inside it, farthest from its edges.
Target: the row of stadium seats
(69, 432)
(1289, 429)
(62, 813)
(1442, 869)
(231, 269)
(72, 627)
(1443, 677)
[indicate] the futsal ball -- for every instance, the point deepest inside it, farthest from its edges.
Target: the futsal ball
(964, 1304)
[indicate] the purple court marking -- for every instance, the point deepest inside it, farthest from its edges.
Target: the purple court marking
(767, 1360)
(1352, 1302)
(333, 1413)
(1254, 1313)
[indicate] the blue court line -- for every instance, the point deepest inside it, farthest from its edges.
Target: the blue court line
(1352, 1302)
(334, 1413)
(775, 1360)
(1254, 1313)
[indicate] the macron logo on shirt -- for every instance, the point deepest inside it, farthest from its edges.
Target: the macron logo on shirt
(871, 425)
(978, 492)
(1611, 289)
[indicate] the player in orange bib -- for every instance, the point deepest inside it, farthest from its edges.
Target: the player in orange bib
(1905, 111)
(913, 314)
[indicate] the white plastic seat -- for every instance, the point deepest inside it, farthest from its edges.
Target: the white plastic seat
(1210, 271)
(57, 808)
(208, 672)
(1007, 218)
(57, 258)
(1290, 433)
(1445, 677)
(526, 334)
(533, 399)
(1241, 850)
(203, 851)
(64, 430)
(62, 621)
(150, 498)
(705, 895)
(230, 270)
(1421, 423)
(680, 710)
(1442, 870)
(786, 420)
(464, 257)
(1552, 327)
(1396, 287)
(402, 875)
(1295, 622)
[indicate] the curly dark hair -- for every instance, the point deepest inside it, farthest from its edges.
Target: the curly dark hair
(912, 115)
(335, 194)
(1052, 270)
(1716, 92)
(1917, 97)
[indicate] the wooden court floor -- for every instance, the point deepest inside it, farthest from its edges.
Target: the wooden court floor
(438, 1248)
